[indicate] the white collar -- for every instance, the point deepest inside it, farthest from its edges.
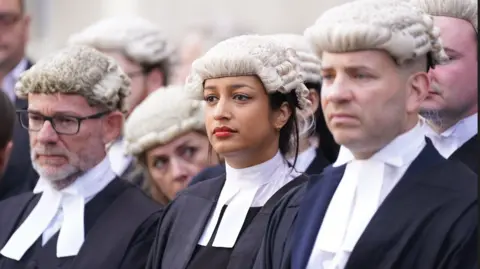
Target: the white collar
(359, 193)
(454, 137)
(253, 176)
(12, 77)
(399, 151)
(242, 187)
(71, 202)
(304, 159)
(119, 160)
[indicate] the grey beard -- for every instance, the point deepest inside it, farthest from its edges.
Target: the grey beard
(434, 117)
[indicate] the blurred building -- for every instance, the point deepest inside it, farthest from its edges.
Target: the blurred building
(54, 20)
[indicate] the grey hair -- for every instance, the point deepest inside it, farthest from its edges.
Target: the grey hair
(78, 70)
(135, 37)
(263, 56)
(397, 27)
(164, 115)
(460, 9)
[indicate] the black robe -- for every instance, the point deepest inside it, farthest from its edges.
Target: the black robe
(120, 224)
(428, 221)
(468, 154)
(186, 218)
(315, 167)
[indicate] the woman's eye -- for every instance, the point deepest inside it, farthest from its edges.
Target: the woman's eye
(241, 97)
(210, 98)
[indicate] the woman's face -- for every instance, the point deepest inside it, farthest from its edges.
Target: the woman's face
(173, 165)
(239, 119)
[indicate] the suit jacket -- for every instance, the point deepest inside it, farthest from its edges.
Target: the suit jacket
(19, 176)
(468, 154)
(428, 221)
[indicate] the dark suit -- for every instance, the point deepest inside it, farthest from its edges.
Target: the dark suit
(19, 175)
(468, 154)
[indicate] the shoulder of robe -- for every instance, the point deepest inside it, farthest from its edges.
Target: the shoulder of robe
(456, 178)
(15, 202)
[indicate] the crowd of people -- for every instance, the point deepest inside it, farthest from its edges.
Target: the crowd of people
(352, 145)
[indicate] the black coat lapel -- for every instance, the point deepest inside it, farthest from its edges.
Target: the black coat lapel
(468, 154)
(183, 224)
(311, 213)
(406, 206)
(12, 212)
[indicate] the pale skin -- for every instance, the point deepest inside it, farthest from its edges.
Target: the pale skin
(62, 158)
(14, 35)
(242, 104)
(454, 92)
(171, 166)
(141, 84)
(368, 100)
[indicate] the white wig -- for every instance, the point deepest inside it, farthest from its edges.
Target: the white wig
(309, 63)
(460, 9)
(251, 55)
(397, 27)
(135, 37)
(79, 70)
(164, 115)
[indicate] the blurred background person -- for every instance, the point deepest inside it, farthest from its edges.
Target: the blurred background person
(200, 38)
(167, 136)
(14, 35)
(7, 123)
(143, 52)
(451, 107)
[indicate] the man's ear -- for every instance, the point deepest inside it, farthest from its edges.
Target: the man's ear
(419, 84)
(113, 126)
(282, 115)
(5, 156)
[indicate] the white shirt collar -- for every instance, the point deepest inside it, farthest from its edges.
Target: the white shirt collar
(243, 189)
(361, 191)
(8, 84)
(253, 176)
(119, 160)
(304, 159)
(398, 152)
(70, 202)
(454, 137)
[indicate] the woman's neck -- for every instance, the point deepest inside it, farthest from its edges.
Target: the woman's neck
(250, 157)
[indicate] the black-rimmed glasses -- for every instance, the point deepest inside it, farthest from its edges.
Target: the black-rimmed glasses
(62, 124)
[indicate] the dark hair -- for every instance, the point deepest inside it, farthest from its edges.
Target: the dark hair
(163, 66)
(329, 147)
(290, 129)
(7, 112)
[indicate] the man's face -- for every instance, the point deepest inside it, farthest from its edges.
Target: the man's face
(138, 79)
(14, 27)
(454, 85)
(56, 156)
(365, 99)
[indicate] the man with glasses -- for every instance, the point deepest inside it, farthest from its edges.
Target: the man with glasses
(144, 54)
(14, 26)
(80, 215)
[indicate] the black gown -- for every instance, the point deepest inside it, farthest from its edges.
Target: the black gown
(185, 219)
(428, 221)
(468, 154)
(120, 224)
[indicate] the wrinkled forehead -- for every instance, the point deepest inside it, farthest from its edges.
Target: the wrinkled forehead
(59, 102)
